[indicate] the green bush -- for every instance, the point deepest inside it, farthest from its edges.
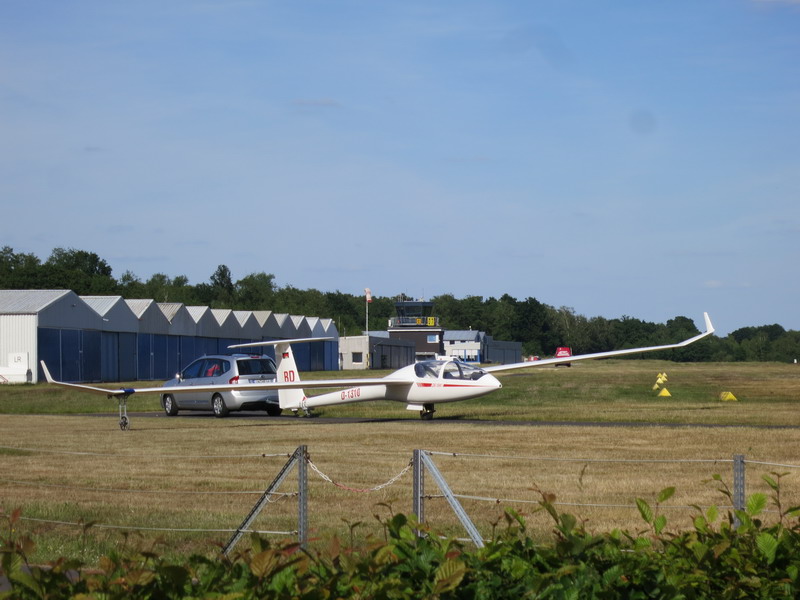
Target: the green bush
(734, 555)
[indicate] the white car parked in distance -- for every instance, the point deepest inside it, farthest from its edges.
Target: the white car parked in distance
(221, 369)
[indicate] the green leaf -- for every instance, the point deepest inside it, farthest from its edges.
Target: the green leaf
(568, 522)
(794, 511)
(659, 523)
(613, 575)
(666, 494)
(699, 550)
(644, 510)
(721, 547)
(712, 514)
(263, 563)
(700, 523)
(385, 555)
(140, 577)
(770, 482)
(176, 574)
(768, 545)
(745, 521)
(756, 503)
(572, 594)
(448, 576)
(642, 543)
(29, 581)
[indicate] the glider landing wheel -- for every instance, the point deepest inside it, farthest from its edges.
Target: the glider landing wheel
(124, 422)
(426, 414)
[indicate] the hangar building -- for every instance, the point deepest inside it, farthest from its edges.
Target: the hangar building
(375, 351)
(108, 338)
(477, 346)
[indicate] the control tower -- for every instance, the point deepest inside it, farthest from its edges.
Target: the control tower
(415, 322)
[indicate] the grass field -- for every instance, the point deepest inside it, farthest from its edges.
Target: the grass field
(168, 476)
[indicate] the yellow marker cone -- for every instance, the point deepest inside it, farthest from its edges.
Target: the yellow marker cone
(728, 397)
(660, 380)
(664, 393)
(655, 386)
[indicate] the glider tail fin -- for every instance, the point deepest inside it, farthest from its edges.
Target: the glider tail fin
(287, 373)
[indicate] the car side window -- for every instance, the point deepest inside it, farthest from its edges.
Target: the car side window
(213, 368)
(193, 370)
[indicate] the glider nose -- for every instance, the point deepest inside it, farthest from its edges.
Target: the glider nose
(492, 381)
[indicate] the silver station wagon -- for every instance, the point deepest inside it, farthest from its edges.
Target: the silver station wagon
(218, 370)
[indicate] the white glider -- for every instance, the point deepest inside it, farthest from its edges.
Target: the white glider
(421, 385)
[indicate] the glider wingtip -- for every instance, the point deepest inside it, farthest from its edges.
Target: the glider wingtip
(47, 375)
(709, 325)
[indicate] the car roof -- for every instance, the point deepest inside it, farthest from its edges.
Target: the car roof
(237, 356)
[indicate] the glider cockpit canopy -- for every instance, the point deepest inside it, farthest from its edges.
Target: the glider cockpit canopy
(447, 369)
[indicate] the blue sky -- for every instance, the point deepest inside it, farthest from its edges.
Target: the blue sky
(619, 157)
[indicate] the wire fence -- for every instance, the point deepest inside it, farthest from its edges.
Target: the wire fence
(506, 477)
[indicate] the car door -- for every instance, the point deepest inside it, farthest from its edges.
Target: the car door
(212, 373)
(189, 376)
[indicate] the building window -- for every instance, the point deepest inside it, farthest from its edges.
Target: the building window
(433, 339)
(358, 357)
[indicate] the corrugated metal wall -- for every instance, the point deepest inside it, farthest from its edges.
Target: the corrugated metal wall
(388, 355)
(18, 334)
(502, 352)
(71, 354)
(79, 345)
(109, 356)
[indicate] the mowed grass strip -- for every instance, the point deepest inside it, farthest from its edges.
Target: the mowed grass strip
(622, 391)
(190, 472)
(606, 390)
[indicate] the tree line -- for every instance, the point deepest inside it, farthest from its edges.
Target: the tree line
(538, 326)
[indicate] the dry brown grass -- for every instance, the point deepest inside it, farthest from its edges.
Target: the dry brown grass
(203, 454)
(161, 473)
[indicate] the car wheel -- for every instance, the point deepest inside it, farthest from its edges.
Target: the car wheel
(218, 404)
(274, 410)
(170, 406)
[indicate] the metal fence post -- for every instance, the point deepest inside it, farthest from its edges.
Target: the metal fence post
(738, 486)
(455, 505)
(299, 455)
(302, 495)
(418, 507)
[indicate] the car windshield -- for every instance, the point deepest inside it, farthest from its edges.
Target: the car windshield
(255, 366)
